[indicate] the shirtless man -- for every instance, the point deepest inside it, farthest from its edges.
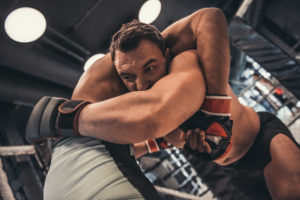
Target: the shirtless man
(148, 111)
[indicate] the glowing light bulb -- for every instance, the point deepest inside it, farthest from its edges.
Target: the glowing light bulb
(149, 11)
(25, 24)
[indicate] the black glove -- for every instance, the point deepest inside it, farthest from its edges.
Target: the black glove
(218, 133)
(53, 117)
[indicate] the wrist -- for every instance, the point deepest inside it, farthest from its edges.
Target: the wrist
(152, 145)
(68, 117)
(138, 149)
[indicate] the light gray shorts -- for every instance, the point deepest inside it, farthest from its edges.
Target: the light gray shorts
(83, 168)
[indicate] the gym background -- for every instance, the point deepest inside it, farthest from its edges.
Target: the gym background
(45, 54)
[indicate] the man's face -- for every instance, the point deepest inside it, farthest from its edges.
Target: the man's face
(140, 68)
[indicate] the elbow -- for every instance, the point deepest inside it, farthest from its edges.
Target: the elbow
(215, 11)
(210, 15)
(215, 14)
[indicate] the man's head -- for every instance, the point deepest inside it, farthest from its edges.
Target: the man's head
(139, 53)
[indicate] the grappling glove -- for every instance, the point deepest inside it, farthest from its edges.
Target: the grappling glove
(213, 117)
(53, 117)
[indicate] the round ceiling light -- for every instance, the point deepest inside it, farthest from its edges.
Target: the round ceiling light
(25, 24)
(149, 11)
(91, 60)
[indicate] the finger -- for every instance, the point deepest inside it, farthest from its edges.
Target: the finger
(201, 147)
(181, 135)
(181, 138)
(202, 135)
(207, 147)
(194, 140)
(188, 136)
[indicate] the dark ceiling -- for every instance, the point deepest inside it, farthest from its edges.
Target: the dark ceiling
(78, 29)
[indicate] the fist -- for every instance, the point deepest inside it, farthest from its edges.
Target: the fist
(195, 139)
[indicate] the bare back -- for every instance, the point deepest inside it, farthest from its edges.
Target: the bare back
(246, 126)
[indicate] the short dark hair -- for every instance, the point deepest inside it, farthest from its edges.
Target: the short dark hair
(131, 34)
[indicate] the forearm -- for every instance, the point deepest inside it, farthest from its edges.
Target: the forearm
(205, 31)
(213, 50)
(123, 119)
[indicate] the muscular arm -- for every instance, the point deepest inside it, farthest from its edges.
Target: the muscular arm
(206, 31)
(137, 116)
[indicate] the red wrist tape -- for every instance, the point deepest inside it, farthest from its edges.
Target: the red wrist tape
(152, 145)
(163, 144)
(216, 105)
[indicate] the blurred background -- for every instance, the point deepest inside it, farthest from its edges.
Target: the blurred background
(45, 46)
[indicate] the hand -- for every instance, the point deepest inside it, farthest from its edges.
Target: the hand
(176, 138)
(195, 138)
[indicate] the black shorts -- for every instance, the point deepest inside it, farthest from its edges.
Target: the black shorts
(244, 179)
(248, 174)
(259, 155)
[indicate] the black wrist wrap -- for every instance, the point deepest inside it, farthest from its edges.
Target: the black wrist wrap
(68, 116)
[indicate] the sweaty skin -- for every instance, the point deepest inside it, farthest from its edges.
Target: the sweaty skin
(101, 81)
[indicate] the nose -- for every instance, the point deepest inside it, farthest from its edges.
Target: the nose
(142, 84)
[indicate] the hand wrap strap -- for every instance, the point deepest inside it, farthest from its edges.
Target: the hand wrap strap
(213, 117)
(216, 105)
(52, 117)
(68, 116)
(154, 145)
